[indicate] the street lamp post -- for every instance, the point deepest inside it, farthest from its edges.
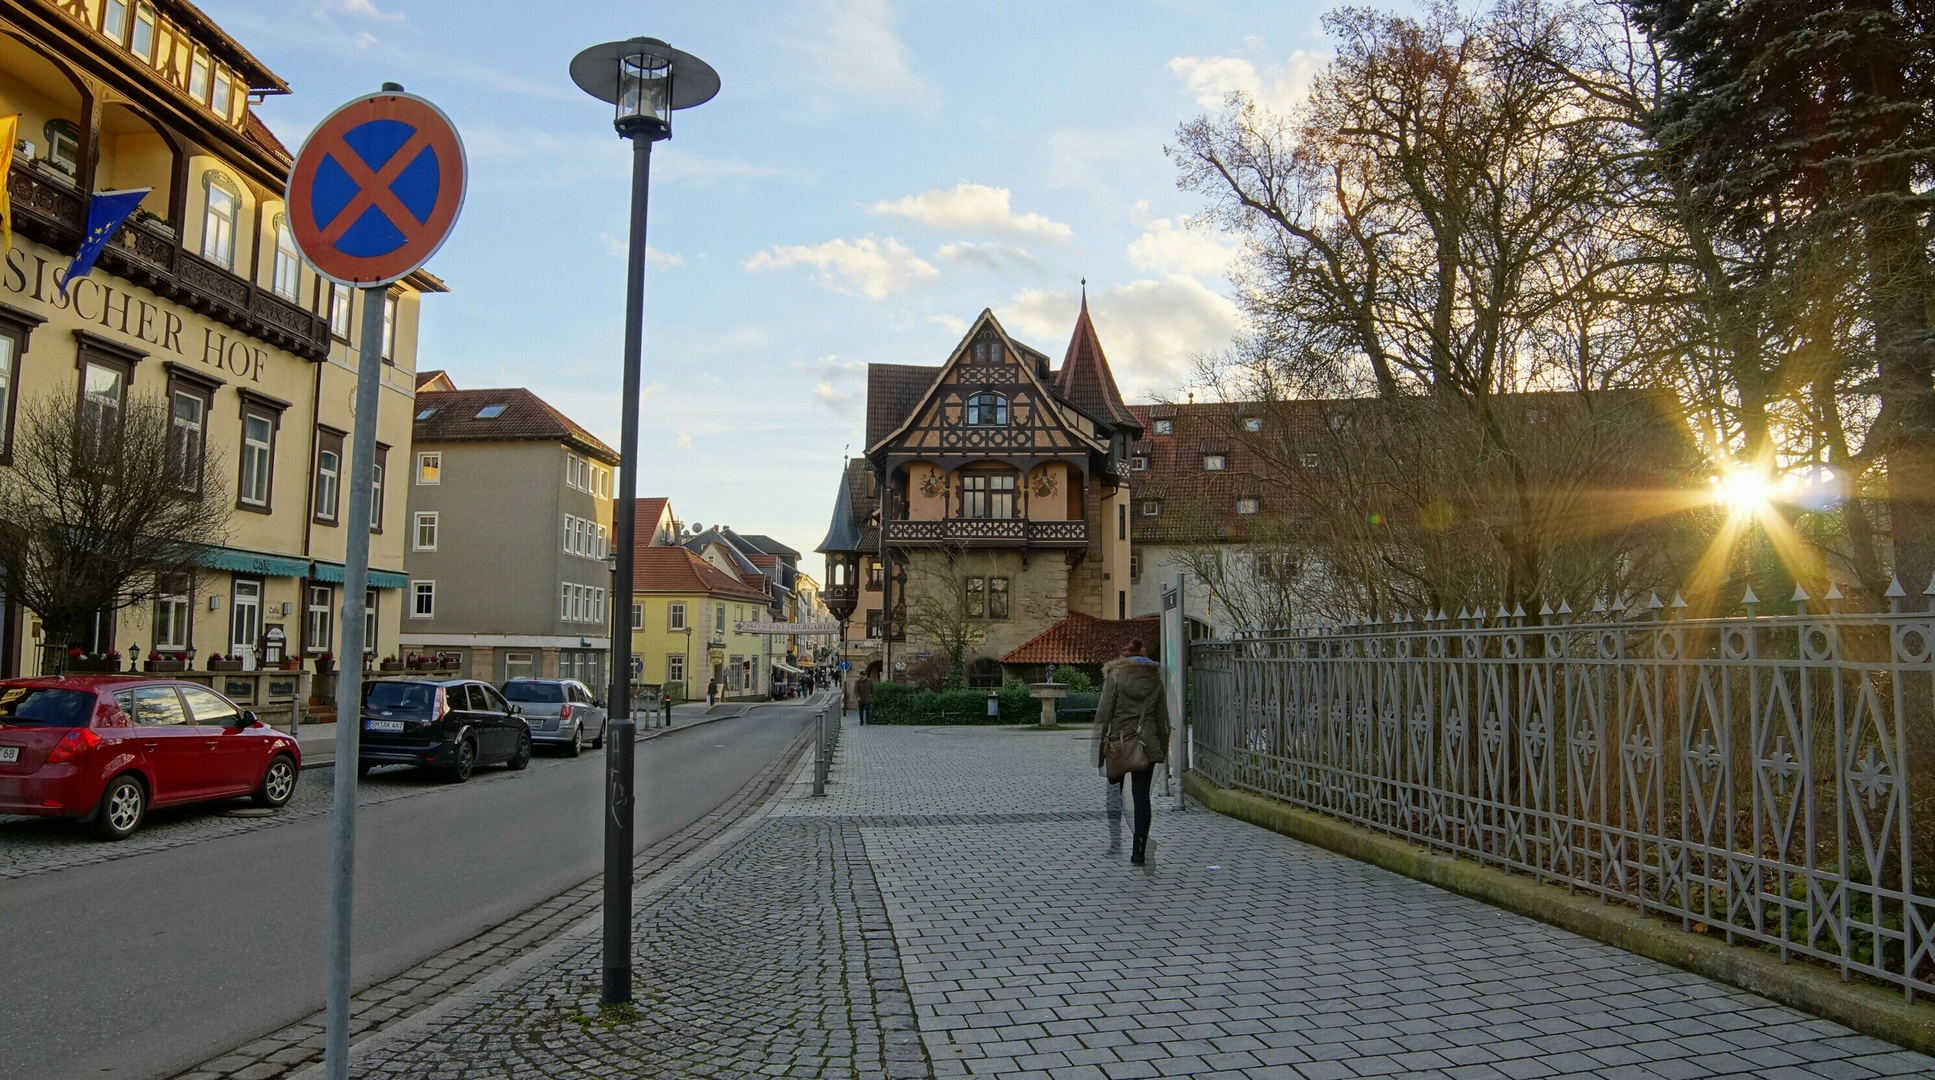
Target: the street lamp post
(645, 80)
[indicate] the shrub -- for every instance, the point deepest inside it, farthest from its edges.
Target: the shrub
(899, 703)
(1077, 679)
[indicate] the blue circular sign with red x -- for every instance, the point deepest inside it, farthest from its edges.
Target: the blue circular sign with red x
(376, 189)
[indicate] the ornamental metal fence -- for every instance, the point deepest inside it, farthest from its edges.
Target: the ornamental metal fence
(1765, 779)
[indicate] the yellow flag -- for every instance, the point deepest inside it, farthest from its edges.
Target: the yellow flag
(9, 131)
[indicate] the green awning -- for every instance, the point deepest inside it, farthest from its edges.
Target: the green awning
(253, 562)
(379, 579)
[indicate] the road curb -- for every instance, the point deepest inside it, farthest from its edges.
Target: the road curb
(1870, 1010)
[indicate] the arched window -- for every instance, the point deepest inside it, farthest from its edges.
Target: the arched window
(221, 209)
(987, 409)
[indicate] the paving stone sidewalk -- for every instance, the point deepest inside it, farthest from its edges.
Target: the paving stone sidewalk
(958, 879)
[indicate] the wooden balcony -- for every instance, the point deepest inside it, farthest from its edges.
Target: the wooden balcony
(51, 210)
(989, 532)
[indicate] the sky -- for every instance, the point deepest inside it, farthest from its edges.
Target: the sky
(871, 176)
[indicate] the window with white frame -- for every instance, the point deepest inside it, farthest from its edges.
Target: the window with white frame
(1152, 508)
(1165, 427)
(186, 418)
(329, 471)
(425, 538)
(1253, 424)
(638, 616)
(1215, 462)
(219, 214)
(171, 616)
(601, 549)
(258, 456)
(322, 605)
(339, 305)
(564, 601)
(675, 616)
(1247, 507)
(376, 497)
(389, 328)
(423, 599)
(675, 667)
(429, 468)
(288, 261)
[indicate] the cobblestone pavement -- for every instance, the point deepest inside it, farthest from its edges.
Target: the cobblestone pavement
(958, 879)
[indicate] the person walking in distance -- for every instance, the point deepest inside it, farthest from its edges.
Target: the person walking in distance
(712, 691)
(1132, 733)
(863, 695)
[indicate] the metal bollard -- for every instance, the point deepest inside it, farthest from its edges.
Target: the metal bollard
(819, 755)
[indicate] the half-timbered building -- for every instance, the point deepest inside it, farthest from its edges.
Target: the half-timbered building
(991, 503)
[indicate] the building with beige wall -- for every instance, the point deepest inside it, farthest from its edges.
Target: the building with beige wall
(509, 516)
(201, 303)
(993, 498)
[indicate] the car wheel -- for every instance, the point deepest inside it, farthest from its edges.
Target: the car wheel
(599, 742)
(577, 744)
(278, 784)
(123, 805)
(521, 759)
(459, 770)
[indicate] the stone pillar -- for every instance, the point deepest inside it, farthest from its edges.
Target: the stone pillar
(548, 664)
(483, 663)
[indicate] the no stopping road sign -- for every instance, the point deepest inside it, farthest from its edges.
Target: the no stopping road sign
(376, 188)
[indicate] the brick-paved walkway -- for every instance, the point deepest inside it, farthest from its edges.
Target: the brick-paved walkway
(960, 876)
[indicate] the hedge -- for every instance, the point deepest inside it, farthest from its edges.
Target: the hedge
(899, 703)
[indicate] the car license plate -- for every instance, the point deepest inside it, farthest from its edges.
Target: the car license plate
(9, 753)
(384, 725)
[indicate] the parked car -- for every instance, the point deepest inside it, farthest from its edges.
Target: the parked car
(453, 725)
(561, 712)
(107, 748)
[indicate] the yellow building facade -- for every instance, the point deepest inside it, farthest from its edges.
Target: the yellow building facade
(684, 612)
(201, 304)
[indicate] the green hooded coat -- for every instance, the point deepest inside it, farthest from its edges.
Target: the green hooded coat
(1133, 698)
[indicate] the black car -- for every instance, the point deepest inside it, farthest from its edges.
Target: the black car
(453, 725)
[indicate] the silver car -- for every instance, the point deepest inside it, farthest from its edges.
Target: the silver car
(561, 712)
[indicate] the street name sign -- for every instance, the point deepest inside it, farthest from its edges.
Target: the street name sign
(784, 628)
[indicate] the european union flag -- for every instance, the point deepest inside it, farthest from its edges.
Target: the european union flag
(105, 213)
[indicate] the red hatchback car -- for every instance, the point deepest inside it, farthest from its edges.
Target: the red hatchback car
(105, 748)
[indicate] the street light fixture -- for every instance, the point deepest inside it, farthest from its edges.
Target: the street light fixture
(645, 80)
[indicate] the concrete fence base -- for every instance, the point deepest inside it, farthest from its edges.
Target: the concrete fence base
(1868, 1009)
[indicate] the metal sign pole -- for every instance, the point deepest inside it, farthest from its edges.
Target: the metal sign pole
(349, 684)
(1175, 661)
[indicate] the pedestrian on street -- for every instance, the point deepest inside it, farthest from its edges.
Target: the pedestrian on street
(712, 691)
(863, 693)
(1132, 736)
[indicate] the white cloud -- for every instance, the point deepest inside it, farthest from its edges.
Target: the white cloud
(1280, 89)
(1151, 329)
(873, 267)
(361, 8)
(974, 208)
(850, 48)
(1168, 246)
(837, 384)
(653, 257)
(683, 441)
(991, 256)
(952, 325)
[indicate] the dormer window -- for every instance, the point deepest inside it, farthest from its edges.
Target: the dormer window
(1139, 463)
(491, 412)
(987, 351)
(1165, 427)
(1215, 462)
(1152, 508)
(1253, 424)
(987, 409)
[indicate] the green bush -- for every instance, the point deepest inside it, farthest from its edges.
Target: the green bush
(898, 703)
(1075, 678)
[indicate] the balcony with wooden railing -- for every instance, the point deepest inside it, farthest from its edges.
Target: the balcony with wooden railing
(48, 208)
(989, 532)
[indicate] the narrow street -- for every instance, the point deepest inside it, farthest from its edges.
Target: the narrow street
(149, 964)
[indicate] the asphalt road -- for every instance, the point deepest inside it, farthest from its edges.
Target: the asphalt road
(144, 966)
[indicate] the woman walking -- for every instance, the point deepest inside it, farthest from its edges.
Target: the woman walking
(1132, 733)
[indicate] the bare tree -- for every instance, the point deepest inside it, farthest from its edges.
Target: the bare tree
(97, 513)
(1427, 277)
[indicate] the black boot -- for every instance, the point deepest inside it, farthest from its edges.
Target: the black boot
(1136, 856)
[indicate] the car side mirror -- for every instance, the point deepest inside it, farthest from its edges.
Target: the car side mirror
(516, 709)
(247, 719)
(598, 703)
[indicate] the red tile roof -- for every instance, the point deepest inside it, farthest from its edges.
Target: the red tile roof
(1085, 639)
(434, 379)
(525, 417)
(674, 569)
(645, 517)
(1084, 378)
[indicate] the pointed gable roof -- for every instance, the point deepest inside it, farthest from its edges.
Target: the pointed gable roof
(1085, 380)
(919, 399)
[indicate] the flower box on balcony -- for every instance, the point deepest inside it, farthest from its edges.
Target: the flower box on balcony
(92, 666)
(156, 667)
(225, 665)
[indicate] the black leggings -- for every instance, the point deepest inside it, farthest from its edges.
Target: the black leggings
(1139, 791)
